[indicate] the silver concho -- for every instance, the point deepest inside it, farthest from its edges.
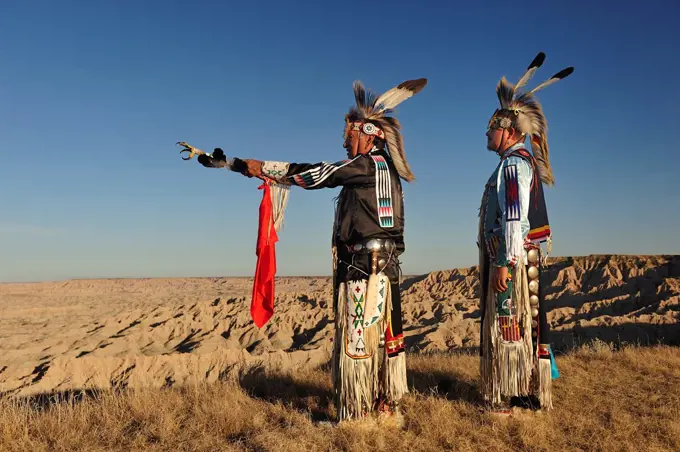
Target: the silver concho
(534, 312)
(533, 287)
(533, 300)
(373, 245)
(370, 129)
(532, 272)
(534, 324)
(532, 256)
(381, 262)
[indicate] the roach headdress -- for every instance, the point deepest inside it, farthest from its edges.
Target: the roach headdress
(523, 112)
(370, 115)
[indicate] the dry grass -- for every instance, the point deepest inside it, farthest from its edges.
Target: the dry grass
(605, 400)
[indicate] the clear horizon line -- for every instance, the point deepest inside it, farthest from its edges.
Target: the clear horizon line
(94, 278)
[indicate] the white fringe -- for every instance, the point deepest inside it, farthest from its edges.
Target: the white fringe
(511, 370)
(490, 337)
(359, 382)
(395, 384)
(514, 244)
(279, 195)
(545, 384)
(521, 298)
(356, 381)
(506, 368)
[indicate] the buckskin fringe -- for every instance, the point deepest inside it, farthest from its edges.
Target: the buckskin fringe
(510, 369)
(521, 297)
(395, 382)
(356, 380)
(490, 391)
(545, 384)
(506, 367)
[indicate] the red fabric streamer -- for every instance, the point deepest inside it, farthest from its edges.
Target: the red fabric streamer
(262, 304)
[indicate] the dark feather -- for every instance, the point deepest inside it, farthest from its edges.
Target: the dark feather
(414, 85)
(505, 92)
(359, 94)
(531, 70)
(537, 61)
(564, 73)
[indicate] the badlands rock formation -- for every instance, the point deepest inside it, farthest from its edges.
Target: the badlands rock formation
(70, 335)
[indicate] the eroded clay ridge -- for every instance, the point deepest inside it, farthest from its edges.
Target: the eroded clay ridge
(57, 336)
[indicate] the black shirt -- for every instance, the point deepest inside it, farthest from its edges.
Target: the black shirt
(371, 203)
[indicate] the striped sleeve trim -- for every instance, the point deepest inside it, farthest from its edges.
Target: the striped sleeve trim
(315, 176)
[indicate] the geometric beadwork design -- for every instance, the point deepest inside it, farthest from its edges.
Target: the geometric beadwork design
(355, 347)
(383, 189)
(511, 192)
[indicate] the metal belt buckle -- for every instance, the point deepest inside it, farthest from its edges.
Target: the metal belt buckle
(374, 245)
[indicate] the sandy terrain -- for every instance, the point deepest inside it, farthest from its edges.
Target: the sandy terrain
(57, 336)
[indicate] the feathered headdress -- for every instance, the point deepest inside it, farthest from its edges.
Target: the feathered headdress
(523, 112)
(370, 116)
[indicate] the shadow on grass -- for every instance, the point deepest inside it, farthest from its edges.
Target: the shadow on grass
(640, 334)
(313, 392)
(313, 395)
(449, 385)
(43, 401)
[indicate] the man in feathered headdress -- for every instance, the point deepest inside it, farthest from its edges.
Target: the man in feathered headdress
(369, 367)
(516, 358)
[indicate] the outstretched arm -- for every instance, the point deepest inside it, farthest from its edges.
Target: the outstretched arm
(311, 176)
(359, 170)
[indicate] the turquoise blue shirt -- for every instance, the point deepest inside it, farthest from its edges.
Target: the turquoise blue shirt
(507, 212)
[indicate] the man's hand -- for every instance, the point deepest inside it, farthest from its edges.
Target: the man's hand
(500, 279)
(216, 160)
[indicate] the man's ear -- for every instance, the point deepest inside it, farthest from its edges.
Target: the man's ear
(365, 143)
(516, 134)
(369, 142)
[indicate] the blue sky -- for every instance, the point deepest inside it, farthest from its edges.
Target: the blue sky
(94, 95)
